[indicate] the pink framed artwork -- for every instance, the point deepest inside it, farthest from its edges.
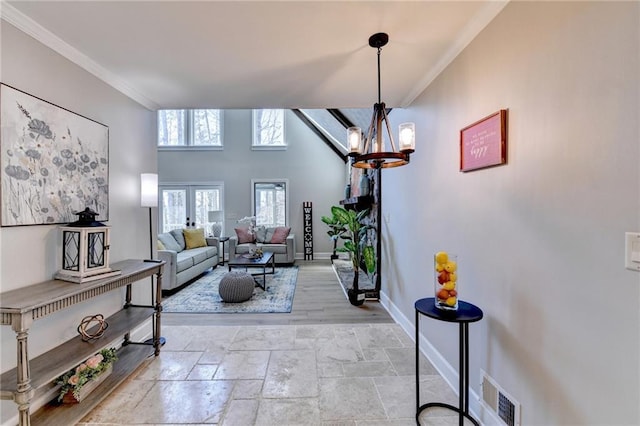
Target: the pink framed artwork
(484, 143)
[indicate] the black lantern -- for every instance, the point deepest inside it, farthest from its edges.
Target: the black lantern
(85, 249)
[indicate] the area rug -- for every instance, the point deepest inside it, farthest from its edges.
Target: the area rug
(344, 272)
(202, 295)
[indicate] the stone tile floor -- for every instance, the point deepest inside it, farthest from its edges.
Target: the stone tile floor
(359, 374)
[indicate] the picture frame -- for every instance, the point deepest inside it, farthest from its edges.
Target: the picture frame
(53, 162)
(484, 143)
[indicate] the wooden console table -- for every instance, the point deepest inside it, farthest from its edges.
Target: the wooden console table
(32, 377)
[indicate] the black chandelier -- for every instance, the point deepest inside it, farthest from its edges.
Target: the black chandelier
(373, 155)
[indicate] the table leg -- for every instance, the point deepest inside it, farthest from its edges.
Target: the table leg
(461, 362)
(463, 383)
(466, 368)
(24, 392)
(417, 367)
(158, 311)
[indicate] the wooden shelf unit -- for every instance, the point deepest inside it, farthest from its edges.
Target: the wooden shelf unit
(22, 306)
(357, 203)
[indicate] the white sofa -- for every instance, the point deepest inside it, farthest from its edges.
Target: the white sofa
(284, 253)
(184, 264)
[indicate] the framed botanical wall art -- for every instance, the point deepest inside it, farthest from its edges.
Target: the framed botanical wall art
(53, 162)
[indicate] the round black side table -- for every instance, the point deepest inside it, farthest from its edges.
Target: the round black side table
(465, 314)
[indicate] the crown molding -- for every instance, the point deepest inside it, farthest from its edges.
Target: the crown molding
(475, 26)
(27, 25)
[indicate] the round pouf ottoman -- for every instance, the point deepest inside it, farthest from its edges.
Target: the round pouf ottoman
(236, 286)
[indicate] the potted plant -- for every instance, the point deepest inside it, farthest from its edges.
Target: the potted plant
(335, 232)
(356, 242)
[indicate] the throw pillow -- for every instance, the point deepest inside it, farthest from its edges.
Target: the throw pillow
(161, 246)
(261, 234)
(280, 235)
(177, 234)
(244, 236)
(194, 238)
(169, 242)
(270, 231)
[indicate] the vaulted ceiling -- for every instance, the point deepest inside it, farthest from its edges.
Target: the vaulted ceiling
(256, 54)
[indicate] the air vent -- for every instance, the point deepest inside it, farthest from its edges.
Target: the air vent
(498, 402)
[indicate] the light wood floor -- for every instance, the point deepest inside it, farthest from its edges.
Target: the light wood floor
(318, 299)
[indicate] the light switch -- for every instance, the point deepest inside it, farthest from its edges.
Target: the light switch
(632, 250)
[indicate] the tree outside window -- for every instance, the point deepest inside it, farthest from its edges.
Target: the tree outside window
(189, 205)
(190, 127)
(268, 128)
(269, 198)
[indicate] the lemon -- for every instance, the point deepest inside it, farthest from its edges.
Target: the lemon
(442, 257)
(451, 301)
(450, 266)
(439, 267)
(449, 285)
(453, 276)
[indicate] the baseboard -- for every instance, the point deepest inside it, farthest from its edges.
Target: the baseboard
(446, 370)
(320, 256)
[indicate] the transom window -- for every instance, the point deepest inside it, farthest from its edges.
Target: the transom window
(190, 128)
(268, 129)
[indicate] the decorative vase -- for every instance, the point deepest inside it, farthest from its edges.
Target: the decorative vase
(252, 249)
(364, 185)
(446, 283)
(347, 191)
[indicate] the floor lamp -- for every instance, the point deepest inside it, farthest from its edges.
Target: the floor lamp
(149, 198)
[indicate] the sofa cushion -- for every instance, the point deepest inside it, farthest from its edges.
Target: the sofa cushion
(201, 254)
(244, 236)
(194, 238)
(160, 245)
(280, 235)
(269, 235)
(169, 242)
(184, 261)
(179, 236)
(274, 248)
(261, 234)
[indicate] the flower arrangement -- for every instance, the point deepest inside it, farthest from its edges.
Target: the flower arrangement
(89, 370)
(250, 221)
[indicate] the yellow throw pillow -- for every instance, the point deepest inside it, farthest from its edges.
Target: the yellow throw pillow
(161, 246)
(194, 238)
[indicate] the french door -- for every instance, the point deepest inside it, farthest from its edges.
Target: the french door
(184, 206)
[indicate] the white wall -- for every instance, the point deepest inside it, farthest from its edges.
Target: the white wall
(540, 240)
(30, 254)
(315, 173)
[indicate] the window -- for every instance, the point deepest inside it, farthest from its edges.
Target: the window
(269, 200)
(189, 205)
(190, 128)
(268, 129)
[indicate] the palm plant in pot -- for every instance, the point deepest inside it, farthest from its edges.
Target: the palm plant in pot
(356, 242)
(335, 232)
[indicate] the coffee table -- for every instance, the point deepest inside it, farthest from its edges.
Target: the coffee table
(244, 261)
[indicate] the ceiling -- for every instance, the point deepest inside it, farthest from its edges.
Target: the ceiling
(256, 54)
